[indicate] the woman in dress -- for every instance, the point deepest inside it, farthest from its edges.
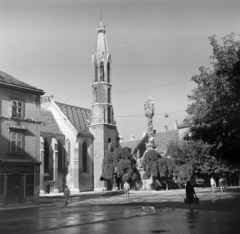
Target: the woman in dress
(190, 193)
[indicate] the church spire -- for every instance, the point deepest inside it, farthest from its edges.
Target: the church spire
(101, 50)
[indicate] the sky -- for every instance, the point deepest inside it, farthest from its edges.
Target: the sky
(156, 48)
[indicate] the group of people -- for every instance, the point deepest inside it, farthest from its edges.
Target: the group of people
(191, 197)
(222, 183)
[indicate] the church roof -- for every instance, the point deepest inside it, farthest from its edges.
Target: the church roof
(8, 80)
(48, 122)
(79, 117)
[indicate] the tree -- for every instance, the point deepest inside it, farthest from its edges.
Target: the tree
(215, 107)
(121, 164)
(197, 155)
(158, 167)
(149, 109)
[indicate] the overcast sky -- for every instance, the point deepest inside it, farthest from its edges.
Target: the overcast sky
(156, 47)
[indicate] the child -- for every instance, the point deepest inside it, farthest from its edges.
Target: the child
(126, 189)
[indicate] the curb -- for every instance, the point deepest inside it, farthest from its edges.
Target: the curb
(89, 195)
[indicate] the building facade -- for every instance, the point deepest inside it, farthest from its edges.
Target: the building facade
(19, 142)
(52, 151)
(103, 125)
(78, 169)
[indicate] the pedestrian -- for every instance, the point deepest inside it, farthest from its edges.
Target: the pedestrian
(126, 189)
(66, 193)
(213, 183)
(221, 183)
(190, 193)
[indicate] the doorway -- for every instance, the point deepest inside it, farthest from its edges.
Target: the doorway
(14, 188)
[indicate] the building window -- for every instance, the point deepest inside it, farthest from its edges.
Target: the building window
(109, 95)
(16, 143)
(2, 186)
(96, 73)
(17, 109)
(29, 188)
(56, 147)
(84, 156)
(68, 150)
(95, 95)
(46, 157)
(109, 114)
(108, 72)
(102, 71)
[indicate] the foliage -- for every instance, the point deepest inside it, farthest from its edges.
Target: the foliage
(120, 163)
(197, 154)
(215, 107)
(184, 172)
(149, 109)
(153, 164)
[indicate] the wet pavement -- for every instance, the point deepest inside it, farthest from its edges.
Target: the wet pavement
(144, 212)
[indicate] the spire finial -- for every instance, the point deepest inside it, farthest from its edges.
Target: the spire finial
(101, 16)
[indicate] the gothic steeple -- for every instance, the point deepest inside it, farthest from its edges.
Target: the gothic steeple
(102, 87)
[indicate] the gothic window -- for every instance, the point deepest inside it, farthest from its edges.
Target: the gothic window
(95, 95)
(46, 157)
(68, 150)
(84, 157)
(108, 72)
(109, 95)
(109, 114)
(96, 73)
(102, 72)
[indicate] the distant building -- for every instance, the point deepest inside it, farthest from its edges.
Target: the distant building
(19, 142)
(161, 139)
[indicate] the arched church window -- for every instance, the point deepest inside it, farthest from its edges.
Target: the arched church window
(108, 72)
(109, 114)
(102, 72)
(68, 151)
(46, 157)
(109, 95)
(95, 95)
(96, 73)
(84, 156)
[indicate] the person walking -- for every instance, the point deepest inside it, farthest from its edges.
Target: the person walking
(221, 183)
(190, 193)
(66, 193)
(213, 183)
(126, 188)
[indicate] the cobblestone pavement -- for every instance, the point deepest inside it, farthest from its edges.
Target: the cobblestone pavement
(144, 212)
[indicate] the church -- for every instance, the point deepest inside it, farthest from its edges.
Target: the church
(89, 133)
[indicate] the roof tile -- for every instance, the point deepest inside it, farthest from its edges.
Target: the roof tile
(78, 116)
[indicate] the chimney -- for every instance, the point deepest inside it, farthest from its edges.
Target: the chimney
(165, 128)
(132, 137)
(175, 125)
(144, 133)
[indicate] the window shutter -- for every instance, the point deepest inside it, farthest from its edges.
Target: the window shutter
(10, 109)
